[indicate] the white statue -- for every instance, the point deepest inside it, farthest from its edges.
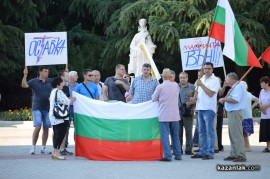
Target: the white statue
(137, 58)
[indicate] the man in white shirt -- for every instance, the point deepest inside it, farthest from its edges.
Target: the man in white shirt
(206, 105)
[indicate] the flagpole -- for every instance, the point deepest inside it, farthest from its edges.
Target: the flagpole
(204, 57)
(241, 79)
(66, 68)
(201, 71)
(224, 70)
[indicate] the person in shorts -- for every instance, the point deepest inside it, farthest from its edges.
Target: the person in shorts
(41, 88)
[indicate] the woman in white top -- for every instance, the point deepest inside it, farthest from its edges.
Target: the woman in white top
(247, 122)
(264, 100)
(59, 125)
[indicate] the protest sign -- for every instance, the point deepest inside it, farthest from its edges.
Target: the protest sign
(46, 48)
(193, 50)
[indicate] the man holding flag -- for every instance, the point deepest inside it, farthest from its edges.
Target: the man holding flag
(234, 104)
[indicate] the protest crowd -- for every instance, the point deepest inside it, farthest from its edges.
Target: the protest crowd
(178, 105)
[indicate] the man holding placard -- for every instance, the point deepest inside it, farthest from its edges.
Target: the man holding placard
(41, 88)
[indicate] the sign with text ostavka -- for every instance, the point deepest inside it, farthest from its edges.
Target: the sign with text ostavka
(46, 48)
(193, 49)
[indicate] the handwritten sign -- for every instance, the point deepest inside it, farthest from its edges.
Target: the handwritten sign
(193, 49)
(46, 48)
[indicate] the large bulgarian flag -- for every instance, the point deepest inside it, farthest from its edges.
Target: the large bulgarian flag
(225, 29)
(116, 131)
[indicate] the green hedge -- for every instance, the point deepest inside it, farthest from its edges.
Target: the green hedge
(17, 115)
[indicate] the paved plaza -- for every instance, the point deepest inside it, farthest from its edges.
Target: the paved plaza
(15, 162)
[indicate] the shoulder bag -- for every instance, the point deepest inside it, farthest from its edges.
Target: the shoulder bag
(60, 111)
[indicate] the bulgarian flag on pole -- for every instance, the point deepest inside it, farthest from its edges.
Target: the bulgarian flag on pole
(116, 131)
(225, 29)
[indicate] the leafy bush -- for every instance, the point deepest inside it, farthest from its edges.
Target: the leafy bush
(17, 115)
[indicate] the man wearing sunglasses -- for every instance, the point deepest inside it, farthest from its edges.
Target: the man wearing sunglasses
(87, 87)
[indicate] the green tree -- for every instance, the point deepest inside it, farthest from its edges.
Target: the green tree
(100, 32)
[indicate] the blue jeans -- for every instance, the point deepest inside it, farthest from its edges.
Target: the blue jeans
(206, 131)
(41, 118)
(196, 132)
(165, 129)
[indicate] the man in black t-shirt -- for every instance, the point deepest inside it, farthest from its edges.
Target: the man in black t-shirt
(116, 86)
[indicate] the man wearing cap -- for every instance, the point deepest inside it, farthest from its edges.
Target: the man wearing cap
(166, 94)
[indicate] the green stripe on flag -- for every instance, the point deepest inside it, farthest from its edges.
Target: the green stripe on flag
(241, 49)
(220, 15)
(117, 130)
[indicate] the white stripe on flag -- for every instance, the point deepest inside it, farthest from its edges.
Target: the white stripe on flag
(100, 109)
(229, 49)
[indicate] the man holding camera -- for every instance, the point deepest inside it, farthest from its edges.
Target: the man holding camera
(186, 111)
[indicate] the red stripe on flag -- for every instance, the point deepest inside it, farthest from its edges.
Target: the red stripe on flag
(111, 150)
(252, 59)
(266, 55)
(217, 32)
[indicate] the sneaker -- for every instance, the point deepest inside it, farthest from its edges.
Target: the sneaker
(65, 152)
(266, 150)
(165, 160)
(177, 158)
(196, 156)
(189, 153)
(207, 157)
(44, 151)
(32, 150)
(240, 159)
(221, 149)
(230, 158)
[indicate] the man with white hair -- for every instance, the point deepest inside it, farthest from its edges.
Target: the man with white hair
(72, 85)
(72, 81)
(234, 103)
(166, 94)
